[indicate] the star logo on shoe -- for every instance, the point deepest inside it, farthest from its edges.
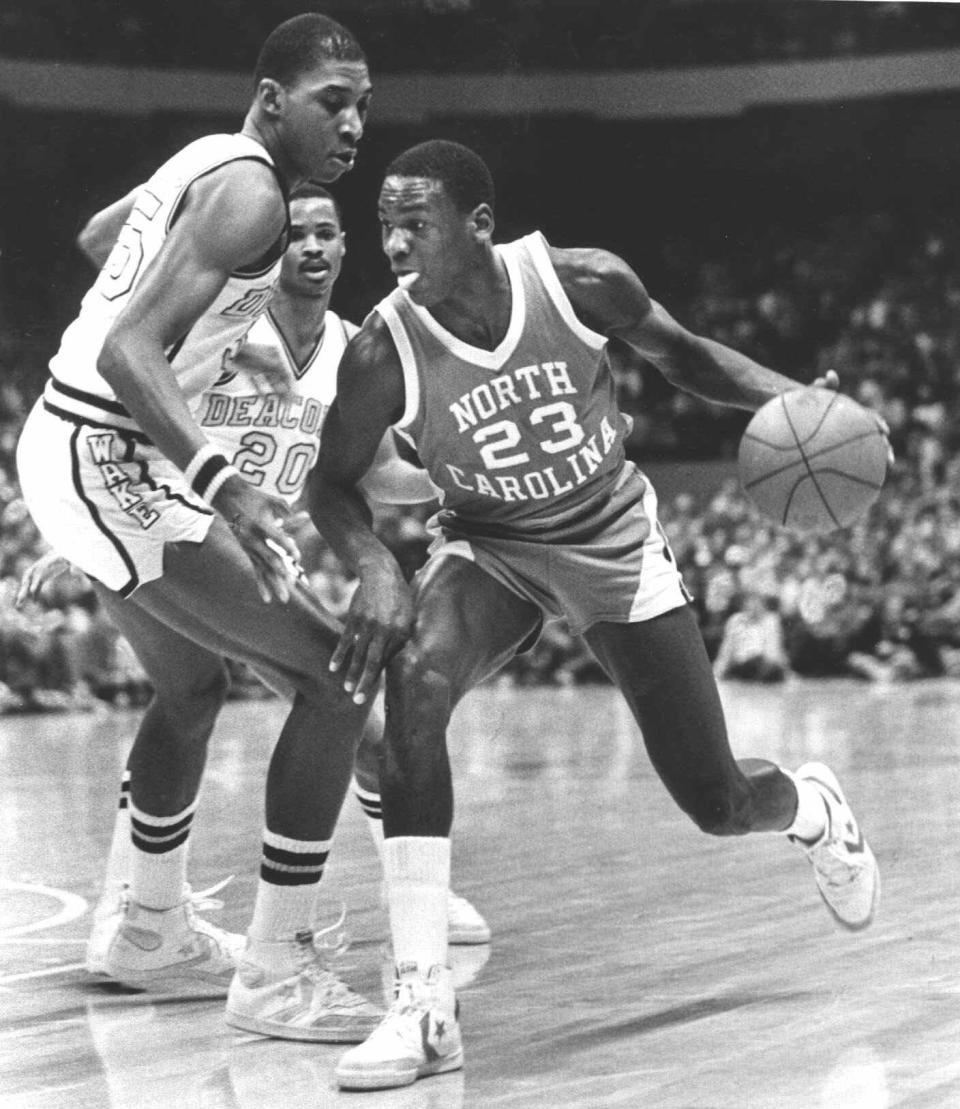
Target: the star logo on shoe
(430, 1053)
(853, 838)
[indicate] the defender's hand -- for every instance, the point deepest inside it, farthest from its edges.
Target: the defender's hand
(257, 521)
(380, 620)
(35, 577)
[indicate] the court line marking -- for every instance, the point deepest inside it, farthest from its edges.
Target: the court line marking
(47, 972)
(72, 906)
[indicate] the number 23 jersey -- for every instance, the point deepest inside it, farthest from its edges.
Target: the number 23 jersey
(268, 421)
(522, 437)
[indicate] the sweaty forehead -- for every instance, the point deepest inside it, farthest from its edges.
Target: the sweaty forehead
(349, 76)
(403, 193)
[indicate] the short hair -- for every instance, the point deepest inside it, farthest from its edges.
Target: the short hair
(463, 173)
(303, 42)
(307, 190)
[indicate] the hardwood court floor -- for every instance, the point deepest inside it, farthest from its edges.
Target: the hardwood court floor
(635, 962)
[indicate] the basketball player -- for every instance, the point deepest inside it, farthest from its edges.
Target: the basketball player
(491, 359)
(291, 355)
(189, 558)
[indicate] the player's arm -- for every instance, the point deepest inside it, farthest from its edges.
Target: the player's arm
(370, 398)
(610, 298)
(229, 219)
(100, 232)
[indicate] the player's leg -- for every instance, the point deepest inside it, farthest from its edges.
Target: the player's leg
(663, 670)
(208, 593)
(465, 925)
(468, 626)
(148, 854)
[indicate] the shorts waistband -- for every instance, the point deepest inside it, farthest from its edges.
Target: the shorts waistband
(79, 406)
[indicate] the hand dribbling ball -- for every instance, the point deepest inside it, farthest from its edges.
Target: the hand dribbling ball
(813, 460)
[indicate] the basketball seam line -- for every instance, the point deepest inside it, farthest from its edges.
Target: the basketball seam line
(806, 462)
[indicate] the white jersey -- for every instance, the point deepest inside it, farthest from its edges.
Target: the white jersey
(198, 358)
(269, 428)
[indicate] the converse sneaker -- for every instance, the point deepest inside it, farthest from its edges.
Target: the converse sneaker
(172, 950)
(107, 916)
(109, 911)
(845, 869)
(464, 924)
(419, 1036)
(286, 990)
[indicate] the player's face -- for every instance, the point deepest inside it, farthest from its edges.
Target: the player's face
(312, 261)
(322, 118)
(423, 233)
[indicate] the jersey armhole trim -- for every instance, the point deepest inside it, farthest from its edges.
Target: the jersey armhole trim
(537, 245)
(408, 363)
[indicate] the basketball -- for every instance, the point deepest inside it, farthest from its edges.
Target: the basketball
(813, 460)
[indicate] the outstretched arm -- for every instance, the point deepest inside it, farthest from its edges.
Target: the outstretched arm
(370, 398)
(609, 297)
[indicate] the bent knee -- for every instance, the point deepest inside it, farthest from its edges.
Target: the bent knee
(197, 702)
(417, 684)
(721, 815)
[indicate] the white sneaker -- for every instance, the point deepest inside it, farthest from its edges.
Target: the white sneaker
(172, 950)
(297, 997)
(105, 922)
(846, 871)
(419, 1036)
(464, 924)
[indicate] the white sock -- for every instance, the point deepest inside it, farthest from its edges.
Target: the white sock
(372, 810)
(417, 870)
(290, 872)
(811, 820)
(158, 858)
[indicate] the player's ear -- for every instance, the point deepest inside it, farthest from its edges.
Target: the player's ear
(270, 96)
(343, 241)
(482, 222)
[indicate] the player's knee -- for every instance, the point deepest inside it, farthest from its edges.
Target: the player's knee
(720, 813)
(197, 703)
(417, 689)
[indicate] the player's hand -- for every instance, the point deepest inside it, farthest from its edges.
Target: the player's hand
(831, 380)
(258, 521)
(379, 621)
(265, 366)
(35, 577)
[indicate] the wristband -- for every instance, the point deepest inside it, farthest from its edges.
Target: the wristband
(207, 471)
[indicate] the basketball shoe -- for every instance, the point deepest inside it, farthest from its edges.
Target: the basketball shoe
(171, 950)
(109, 911)
(846, 871)
(419, 1036)
(286, 989)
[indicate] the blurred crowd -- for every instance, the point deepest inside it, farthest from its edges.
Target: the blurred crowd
(481, 35)
(876, 299)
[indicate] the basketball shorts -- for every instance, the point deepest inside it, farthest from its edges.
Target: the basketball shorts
(614, 564)
(104, 498)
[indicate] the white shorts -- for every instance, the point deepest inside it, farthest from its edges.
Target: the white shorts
(104, 497)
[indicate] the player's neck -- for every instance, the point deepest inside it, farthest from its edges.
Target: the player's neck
(301, 320)
(478, 311)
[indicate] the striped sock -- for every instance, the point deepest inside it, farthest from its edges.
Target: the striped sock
(290, 870)
(373, 811)
(158, 870)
